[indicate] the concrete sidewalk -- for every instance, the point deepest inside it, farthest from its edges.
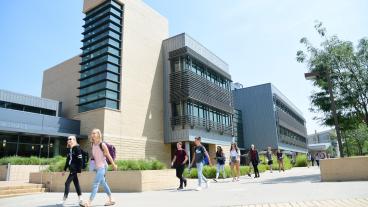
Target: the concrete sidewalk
(276, 189)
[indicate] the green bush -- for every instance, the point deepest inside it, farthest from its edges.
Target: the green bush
(263, 161)
(17, 160)
(301, 160)
(123, 165)
(210, 172)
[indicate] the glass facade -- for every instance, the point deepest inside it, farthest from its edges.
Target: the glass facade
(191, 64)
(280, 105)
(32, 109)
(200, 108)
(238, 128)
(13, 144)
(291, 138)
(101, 57)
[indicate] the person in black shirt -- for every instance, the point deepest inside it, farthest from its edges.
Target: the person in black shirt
(280, 160)
(179, 160)
(220, 157)
(74, 163)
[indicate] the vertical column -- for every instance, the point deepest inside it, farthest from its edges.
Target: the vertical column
(187, 149)
(56, 147)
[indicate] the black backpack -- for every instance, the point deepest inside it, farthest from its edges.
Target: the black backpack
(85, 158)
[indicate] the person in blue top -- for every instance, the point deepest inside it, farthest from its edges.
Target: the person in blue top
(220, 158)
(199, 154)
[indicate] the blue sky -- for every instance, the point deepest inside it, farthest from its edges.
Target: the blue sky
(258, 39)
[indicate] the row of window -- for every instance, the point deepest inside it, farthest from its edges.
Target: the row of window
(101, 51)
(97, 78)
(98, 95)
(32, 109)
(99, 86)
(286, 109)
(113, 104)
(105, 58)
(106, 10)
(102, 28)
(109, 33)
(189, 63)
(292, 135)
(99, 44)
(100, 68)
(99, 83)
(101, 10)
(201, 111)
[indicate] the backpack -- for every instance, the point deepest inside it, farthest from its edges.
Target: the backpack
(112, 151)
(85, 158)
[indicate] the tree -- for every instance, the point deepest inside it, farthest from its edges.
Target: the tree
(357, 139)
(348, 67)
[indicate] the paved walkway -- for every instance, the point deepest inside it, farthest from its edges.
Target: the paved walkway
(297, 187)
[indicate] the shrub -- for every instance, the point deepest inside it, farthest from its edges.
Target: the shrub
(210, 172)
(17, 160)
(123, 165)
(301, 160)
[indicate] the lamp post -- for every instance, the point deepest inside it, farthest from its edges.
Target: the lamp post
(315, 75)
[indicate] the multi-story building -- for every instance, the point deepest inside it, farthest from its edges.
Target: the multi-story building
(145, 91)
(32, 126)
(197, 94)
(270, 119)
(116, 84)
(322, 141)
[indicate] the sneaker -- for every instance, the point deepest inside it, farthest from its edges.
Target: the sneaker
(198, 188)
(249, 175)
(180, 188)
(215, 180)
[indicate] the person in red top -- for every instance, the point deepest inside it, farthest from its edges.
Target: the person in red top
(179, 160)
(254, 158)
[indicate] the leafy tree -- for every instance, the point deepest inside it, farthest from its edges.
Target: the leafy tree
(357, 139)
(348, 67)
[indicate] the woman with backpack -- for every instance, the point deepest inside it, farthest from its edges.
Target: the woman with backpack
(220, 157)
(74, 163)
(100, 153)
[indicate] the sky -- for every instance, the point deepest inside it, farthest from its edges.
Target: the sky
(258, 39)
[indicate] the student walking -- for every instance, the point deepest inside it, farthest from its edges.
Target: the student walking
(179, 160)
(254, 157)
(74, 163)
(100, 153)
(198, 156)
(221, 159)
(280, 160)
(269, 158)
(235, 161)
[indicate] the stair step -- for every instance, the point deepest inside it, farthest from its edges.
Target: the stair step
(18, 194)
(21, 186)
(22, 191)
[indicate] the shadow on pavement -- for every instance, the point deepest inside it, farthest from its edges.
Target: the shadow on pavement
(294, 179)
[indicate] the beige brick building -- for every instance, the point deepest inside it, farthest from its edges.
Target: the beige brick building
(119, 82)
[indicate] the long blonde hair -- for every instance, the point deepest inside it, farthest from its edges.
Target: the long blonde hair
(98, 131)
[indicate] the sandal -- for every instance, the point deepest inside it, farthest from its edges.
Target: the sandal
(110, 203)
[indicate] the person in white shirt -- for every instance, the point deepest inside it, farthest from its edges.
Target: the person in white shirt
(235, 161)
